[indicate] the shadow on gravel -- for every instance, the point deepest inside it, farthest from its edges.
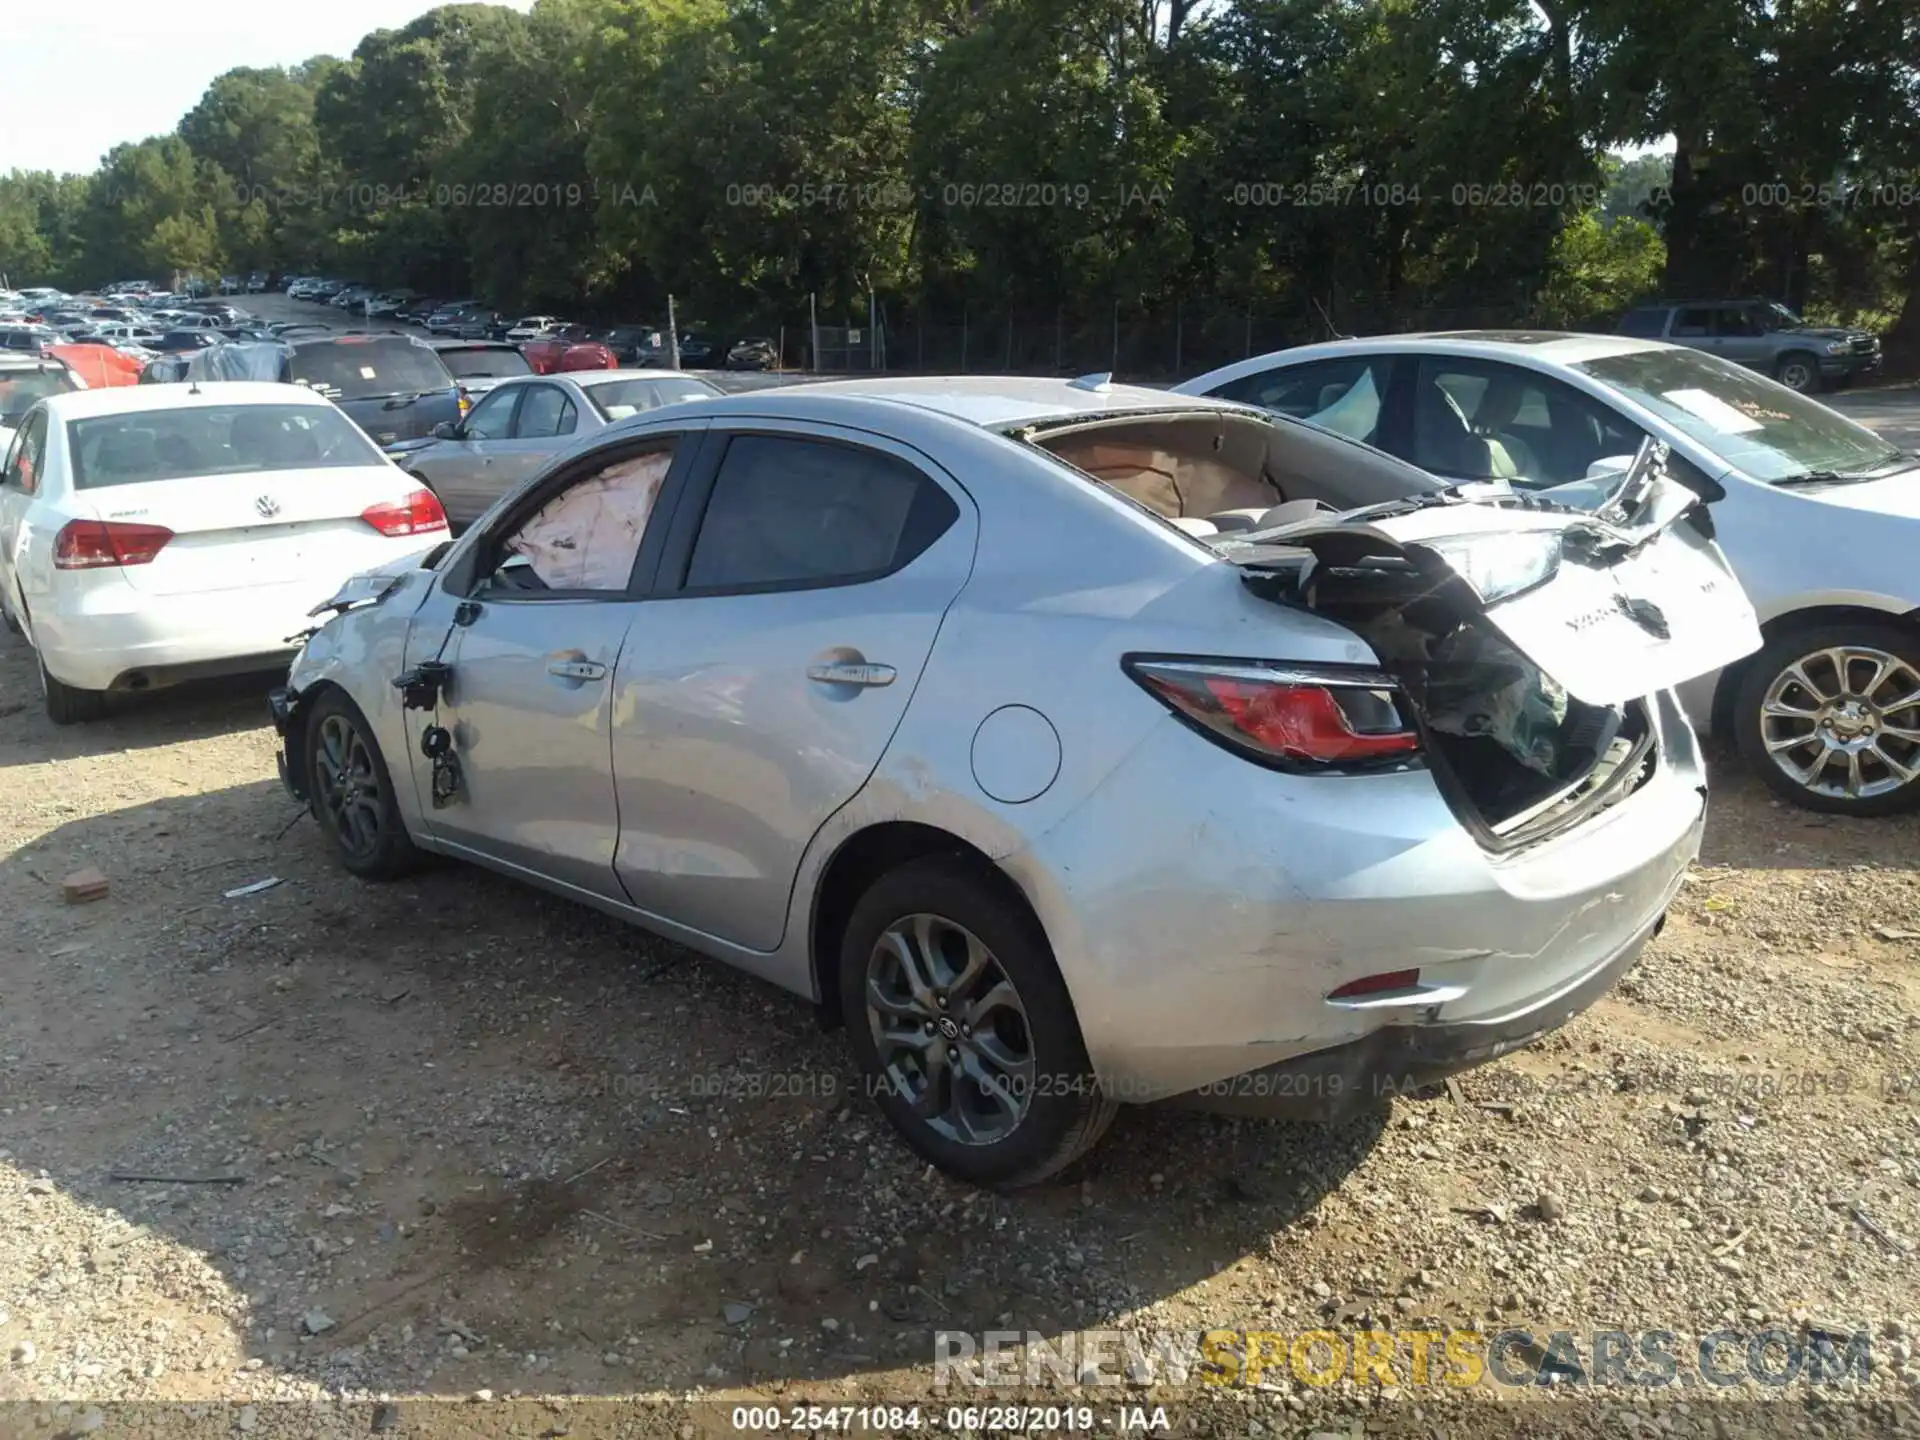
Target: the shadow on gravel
(134, 721)
(476, 1137)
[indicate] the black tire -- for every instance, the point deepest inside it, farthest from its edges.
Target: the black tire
(67, 704)
(1066, 1114)
(1803, 644)
(1799, 370)
(373, 843)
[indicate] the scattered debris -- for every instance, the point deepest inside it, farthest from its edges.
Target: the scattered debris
(254, 889)
(736, 1312)
(316, 1322)
(83, 886)
(123, 1177)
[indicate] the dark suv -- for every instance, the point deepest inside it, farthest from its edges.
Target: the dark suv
(392, 386)
(1763, 335)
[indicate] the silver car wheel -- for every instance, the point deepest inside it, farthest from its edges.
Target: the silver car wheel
(950, 1029)
(350, 799)
(1797, 375)
(1844, 722)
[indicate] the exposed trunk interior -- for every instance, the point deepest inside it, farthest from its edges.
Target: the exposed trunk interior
(1517, 755)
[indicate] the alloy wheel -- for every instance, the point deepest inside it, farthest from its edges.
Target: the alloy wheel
(351, 804)
(1797, 375)
(950, 1028)
(1844, 722)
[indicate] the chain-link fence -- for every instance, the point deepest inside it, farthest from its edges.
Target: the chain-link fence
(1138, 344)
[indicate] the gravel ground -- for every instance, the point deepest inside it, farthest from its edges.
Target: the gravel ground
(480, 1141)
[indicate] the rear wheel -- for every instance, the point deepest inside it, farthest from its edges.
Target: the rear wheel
(964, 1029)
(1829, 717)
(1799, 371)
(352, 792)
(67, 704)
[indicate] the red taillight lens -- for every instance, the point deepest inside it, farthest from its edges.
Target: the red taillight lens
(101, 544)
(1286, 715)
(415, 515)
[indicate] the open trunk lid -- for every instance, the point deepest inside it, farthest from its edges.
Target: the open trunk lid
(1524, 635)
(1612, 604)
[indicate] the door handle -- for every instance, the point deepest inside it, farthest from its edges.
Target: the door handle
(851, 672)
(577, 670)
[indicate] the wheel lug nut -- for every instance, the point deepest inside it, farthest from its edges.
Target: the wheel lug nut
(941, 1001)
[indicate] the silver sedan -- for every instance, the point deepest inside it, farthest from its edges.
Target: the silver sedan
(522, 423)
(1071, 744)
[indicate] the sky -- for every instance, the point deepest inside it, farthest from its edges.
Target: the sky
(76, 82)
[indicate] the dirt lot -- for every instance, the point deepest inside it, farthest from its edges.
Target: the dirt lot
(485, 1140)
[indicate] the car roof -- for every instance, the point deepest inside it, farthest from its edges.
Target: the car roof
(991, 402)
(135, 400)
(445, 344)
(609, 377)
(1553, 347)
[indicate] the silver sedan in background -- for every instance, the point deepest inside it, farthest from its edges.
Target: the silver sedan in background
(522, 423)
(1071, 743)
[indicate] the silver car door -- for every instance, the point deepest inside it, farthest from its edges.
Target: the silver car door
(463, 470)
(533, 642)
(543, 426)
(805, 578)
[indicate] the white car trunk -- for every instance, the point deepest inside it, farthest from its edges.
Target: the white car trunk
(233, 532)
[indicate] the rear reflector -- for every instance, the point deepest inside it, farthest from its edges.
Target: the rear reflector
(103, 544)
(1284, 715)
(1381, 984)
(419, 513)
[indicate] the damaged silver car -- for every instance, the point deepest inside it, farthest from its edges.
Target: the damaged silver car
(1071, 745)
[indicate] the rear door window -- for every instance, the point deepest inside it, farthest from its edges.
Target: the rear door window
(545, 411)
(788, 512)
(24, 460)
(1693, 322)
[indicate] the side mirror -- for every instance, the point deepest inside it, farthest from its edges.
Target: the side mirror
(446, 430)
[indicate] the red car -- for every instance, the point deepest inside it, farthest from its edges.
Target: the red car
(544, 355)
(591, 356)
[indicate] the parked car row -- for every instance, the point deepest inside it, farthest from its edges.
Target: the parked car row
(864, 686)
(452, 317)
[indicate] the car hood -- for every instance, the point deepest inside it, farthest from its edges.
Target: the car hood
(1828, 332)
(1612, 605)
(1897, 494)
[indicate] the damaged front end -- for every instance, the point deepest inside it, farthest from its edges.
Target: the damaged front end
(1523, 636)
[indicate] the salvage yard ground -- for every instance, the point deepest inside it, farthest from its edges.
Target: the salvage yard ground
(450, 1135)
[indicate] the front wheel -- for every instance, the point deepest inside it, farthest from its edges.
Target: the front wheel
(963, 1027)
(352, 792)
(1829, 717)
(1800, 372)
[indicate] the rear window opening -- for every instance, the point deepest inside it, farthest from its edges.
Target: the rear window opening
(1221, 472)
(1517, 757)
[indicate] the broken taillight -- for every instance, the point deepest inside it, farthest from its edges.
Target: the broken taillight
(1289, 716)
(103, 544)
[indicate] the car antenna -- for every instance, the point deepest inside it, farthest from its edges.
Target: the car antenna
(1327, 320)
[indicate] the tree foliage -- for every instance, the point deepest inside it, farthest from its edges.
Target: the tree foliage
(1377, 160)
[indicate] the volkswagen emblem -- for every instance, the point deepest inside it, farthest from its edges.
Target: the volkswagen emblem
(267, 506)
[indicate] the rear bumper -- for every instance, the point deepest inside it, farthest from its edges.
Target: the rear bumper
(119, 638)
(1204, 914)
(1395, 1060)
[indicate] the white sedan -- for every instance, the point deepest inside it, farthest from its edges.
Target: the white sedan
(1819, 516)
(158, 533)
